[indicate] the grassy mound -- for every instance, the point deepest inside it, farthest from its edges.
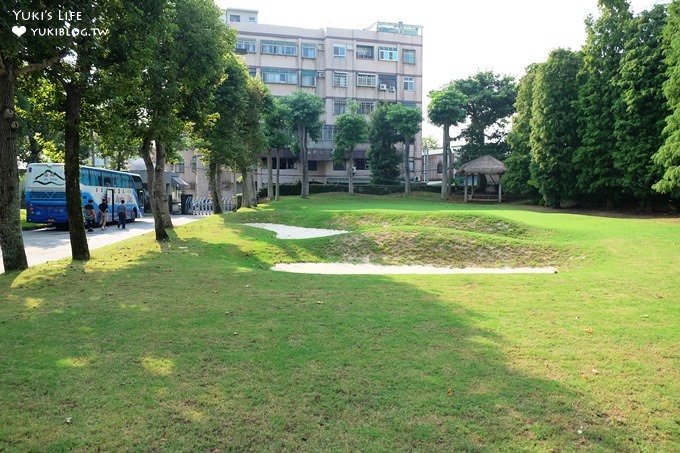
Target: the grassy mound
(444, 239)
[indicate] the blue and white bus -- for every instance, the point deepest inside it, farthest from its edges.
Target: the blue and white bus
(46, 192)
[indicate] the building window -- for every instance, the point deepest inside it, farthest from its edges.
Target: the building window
(366, 108)
(312, 165)
(286, 163)
(339, 166)
(366, 80)
(234, 18)
(388, 53)
(339, 79)
(409, 104)
(308, 78)
(308, 51)
(409, 56)
(327, 132)
(286, 76)
(252, 72)
(247, 45)
(279, 48)
(251, 19)
(389, 82)
(440, 167)
(339, 106)
(361, 164)
(365, 53)
(339, 50)
(194, 162)
(178, 167)
(409, 84)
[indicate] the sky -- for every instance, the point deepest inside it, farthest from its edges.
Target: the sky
(460, 37)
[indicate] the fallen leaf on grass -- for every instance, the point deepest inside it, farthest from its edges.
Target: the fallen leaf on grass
(449, 392)
(588, 329)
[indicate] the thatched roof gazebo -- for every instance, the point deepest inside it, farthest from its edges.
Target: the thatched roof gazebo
(487, 166)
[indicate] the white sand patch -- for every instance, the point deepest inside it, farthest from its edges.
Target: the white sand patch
(379, 269)
(293, 232)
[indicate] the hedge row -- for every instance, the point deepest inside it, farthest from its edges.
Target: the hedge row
(367, 189)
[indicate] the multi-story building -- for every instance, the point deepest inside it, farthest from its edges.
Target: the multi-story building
(382, 63)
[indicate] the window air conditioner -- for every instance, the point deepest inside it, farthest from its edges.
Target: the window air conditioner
(382, 87)
(321, 74)
(393, 89)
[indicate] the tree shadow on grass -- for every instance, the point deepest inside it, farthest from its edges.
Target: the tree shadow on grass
(195, 347)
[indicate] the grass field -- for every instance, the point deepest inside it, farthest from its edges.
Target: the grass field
(196, 346)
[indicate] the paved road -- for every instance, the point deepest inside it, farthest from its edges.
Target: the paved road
(49, 244)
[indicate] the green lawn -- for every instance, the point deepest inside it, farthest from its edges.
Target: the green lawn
(196, 346)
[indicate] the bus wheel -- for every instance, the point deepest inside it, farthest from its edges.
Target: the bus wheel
(134, 215)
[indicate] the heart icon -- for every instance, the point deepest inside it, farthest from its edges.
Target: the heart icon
(19, 30)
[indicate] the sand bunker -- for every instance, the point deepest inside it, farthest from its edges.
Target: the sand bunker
(379, 269)
(293, 232)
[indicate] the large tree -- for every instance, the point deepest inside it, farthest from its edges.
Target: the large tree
(302, 112)
(489, 104)
(255, 138)
(278, 137)
(382, 154)
(76, 76)
(668, 155)
(554, 120)
(225, 137)
(407, 123)
(599, 90)
(445, 110)
(517, 180)
(350, 130)
(641, 108)
(167, 65)
(20, 55)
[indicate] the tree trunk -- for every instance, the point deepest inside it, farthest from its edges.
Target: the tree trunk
(74, 206)
(156, 194)
(350, 172)
(213, 182)
(11, 240)
(159, 180)
(446, 188)
(253, 189)
(34, 147)
(302, 133)
(270, 176)
(407, 169)
(245, 191)
(278, 173)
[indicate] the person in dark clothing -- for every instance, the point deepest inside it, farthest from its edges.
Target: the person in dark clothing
(103, 212)
(89, 216)
(121, 214)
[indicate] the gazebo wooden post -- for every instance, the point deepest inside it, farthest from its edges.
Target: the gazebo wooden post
(500, 192)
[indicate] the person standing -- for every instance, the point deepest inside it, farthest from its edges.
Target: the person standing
(103, 213)
(121, 214)
(89, 215)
